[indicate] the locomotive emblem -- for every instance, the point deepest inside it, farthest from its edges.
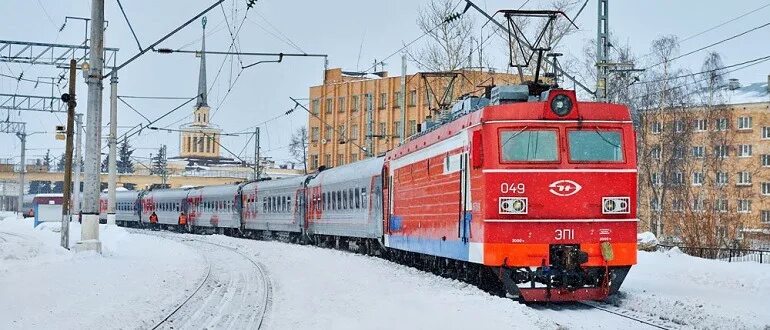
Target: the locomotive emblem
(564, 188)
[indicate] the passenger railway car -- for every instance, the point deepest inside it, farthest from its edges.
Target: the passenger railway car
(214, 207)
(127, 208)
(530, 195)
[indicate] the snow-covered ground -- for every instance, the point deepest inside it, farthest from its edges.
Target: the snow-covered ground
(44, 286)
(138, 281)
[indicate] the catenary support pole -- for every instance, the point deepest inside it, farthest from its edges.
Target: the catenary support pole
(65, 217)
(78, 169)
(403, 98)
(257, 168)
(112, 159)
(90, 223)
(22, 168)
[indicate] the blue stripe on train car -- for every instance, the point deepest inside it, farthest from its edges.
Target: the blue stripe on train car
(451, 248)
(396, 223)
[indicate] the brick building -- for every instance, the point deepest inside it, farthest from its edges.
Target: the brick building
(704, 172)
(339, 120)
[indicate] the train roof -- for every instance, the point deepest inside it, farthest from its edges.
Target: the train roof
(218, 189)
(361, 169)
(282, 182)
(168, 193)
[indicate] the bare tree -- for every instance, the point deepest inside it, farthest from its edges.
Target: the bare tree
(298, 147)
(449, 36)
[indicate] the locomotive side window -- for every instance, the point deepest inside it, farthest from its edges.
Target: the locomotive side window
(528, 145)
(595, 145)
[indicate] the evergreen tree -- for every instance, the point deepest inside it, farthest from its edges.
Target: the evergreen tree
(125, 164)
(47, 160)
(61, 163)
(160, 164)
(105, 164)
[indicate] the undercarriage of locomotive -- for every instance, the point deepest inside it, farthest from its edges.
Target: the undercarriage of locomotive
(562, 278)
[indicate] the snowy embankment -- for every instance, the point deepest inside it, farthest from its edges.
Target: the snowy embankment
(699, 293)
(43, 285)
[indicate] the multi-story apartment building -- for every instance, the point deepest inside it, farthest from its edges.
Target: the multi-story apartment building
(353, 116)
(704, 172)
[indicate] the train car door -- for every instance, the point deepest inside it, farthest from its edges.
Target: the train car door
(464, 216)
(388, 199)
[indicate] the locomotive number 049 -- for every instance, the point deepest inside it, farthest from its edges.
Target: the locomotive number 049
(512, 188)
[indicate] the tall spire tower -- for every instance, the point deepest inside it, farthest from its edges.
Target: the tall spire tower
(202, 94)
(199, 140)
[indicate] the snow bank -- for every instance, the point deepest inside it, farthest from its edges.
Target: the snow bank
(699, 293)
(45, 286)
(646, 241)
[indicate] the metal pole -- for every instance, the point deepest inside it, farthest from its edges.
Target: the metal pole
(23, 168)
(112, 159)
(78, 160)
(403, 97)
(90, 226)
(65, 217)
(257, 169)
(369, 126)
(602, 48)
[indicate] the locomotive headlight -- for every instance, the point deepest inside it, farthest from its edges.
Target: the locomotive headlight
(561, 105)
(616, 205)
(513, 205)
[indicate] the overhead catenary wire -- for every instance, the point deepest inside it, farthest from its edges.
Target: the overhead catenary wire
(758, 59)
(138, 44)
(710, 45)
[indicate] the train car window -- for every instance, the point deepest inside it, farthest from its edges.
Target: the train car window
(344, 199)
(358, 197)
(339, 199)
(528, 145)
(288, 203)
(264, 204)
(595, 145)
(326, 200)
(351, 197)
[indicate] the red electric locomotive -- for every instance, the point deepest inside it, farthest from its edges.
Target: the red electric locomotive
(539, 193)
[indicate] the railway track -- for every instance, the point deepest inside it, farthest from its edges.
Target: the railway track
(230, 292)
(631, 315)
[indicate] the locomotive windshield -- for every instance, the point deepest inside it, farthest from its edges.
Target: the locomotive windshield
(595, 146)
(528, 145)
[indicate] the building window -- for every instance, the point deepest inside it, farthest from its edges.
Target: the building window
(353, 157)
(314, 106)
(722, 178)
(412, 127)
(677, 205)
(382, 130)
(354, 103)
(341, 133)
(328, 133)
(744, 150)
(697, 179)
(341, 104)
(697, 205)
(313, 161)
(654, 204)
(314, 134)
(678, 126)
(412, 98)
(655, 152)
(744, 122)
(744, 178)
(764, 216)
(383, 100)
(744, 206)
(397, 100)
(340, 159)
(765, 160)
(721, 124)
(700, 125)
(721, 151)
(657, 127)
(766, 188)
(766, 132)
(678, 152)
(656, 179)
(328, 160)
(698, 151)
(369, 99)
(677, 179)
(329, 105)
(720, 205)
(354, 132)
(397, 129)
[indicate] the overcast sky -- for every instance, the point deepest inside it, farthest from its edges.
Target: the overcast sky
(352, 32)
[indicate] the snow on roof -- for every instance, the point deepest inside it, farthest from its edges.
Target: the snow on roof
(751, 93)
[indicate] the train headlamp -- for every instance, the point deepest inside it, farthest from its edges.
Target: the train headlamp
(616, 205)
(513, 205)
(561, 105)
